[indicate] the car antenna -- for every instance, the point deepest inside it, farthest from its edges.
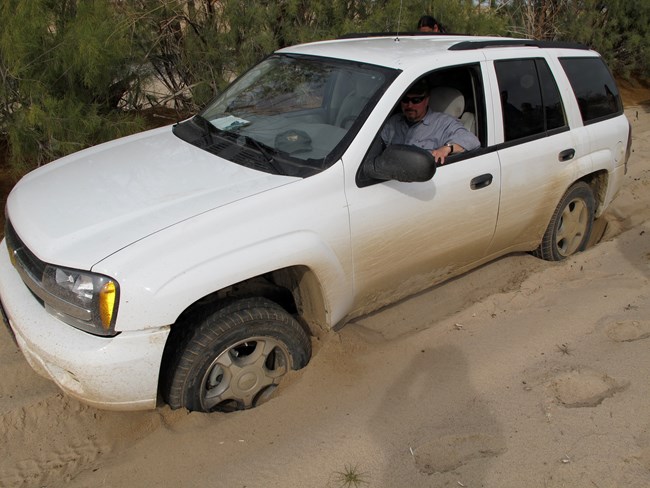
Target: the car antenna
(399, 20)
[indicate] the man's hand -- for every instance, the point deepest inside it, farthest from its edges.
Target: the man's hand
(441, 153)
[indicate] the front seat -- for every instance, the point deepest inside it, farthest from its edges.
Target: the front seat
(451, 101)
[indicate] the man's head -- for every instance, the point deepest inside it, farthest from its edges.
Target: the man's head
(416, 102)
(428, 24)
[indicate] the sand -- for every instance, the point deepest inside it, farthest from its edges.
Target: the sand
(522, 373)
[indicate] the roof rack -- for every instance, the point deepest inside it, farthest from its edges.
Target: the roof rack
(360, 35)
(469, 45)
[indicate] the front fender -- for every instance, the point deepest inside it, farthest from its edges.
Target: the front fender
(163, 274)
(204, 278)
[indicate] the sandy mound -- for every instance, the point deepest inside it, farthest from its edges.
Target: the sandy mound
(584, 388)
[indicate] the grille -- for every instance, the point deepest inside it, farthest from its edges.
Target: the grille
(22, 256)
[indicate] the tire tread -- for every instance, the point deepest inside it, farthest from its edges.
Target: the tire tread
(211, 327)
(547, 248)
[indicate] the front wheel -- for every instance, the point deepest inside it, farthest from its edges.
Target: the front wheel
(235, 357)
(570, 227)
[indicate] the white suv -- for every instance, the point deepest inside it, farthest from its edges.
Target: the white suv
(194, 262)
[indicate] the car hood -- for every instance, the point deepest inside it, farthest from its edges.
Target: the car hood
(80, 209)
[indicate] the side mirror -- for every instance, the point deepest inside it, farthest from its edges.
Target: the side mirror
(402, 163)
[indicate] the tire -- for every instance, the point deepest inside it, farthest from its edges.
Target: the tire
(235, 357)
(570, 227)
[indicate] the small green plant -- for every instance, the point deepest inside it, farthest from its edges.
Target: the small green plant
(350, 477)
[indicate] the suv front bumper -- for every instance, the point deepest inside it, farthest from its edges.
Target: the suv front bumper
(116, 373)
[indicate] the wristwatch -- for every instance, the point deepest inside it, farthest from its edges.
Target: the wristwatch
(450, 145)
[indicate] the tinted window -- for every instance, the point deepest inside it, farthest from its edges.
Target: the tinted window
(553, 108)
(594, 88)
(521, 98)
(530, 99)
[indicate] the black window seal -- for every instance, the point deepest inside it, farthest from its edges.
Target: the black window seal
(530, 138)
(602, 118)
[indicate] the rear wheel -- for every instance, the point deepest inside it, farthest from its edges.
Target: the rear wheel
(570, 227)
(236, 357)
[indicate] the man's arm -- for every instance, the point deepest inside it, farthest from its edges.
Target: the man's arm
(457, 139)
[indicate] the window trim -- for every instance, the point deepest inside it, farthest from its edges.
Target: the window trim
(546, 132)
(480, 95)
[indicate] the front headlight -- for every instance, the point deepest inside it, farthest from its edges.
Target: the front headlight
(82, 299)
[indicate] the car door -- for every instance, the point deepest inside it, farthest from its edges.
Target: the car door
(406, 237)
(539, 154)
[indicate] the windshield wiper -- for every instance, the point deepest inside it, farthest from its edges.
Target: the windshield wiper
(208, 133)
(266, 151)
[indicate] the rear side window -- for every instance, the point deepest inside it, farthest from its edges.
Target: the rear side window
(553, 108)
(594, 88)
(530, 99)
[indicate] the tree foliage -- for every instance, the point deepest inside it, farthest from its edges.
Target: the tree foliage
(64, 71)
(618, 29)
(77, 72)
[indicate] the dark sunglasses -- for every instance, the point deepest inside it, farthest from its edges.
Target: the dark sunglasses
(413, 100)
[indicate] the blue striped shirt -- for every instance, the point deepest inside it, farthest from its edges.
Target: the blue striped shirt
(433, 131)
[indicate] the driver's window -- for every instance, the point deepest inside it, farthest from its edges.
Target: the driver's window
(423, 116)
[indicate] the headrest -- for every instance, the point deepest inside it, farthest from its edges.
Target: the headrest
(448, 100)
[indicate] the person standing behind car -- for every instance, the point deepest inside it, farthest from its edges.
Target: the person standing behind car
(429, 24)
(418, 125)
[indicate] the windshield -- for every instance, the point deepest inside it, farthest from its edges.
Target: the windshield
(289, 114)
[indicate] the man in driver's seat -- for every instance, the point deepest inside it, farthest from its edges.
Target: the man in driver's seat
(419, 126)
